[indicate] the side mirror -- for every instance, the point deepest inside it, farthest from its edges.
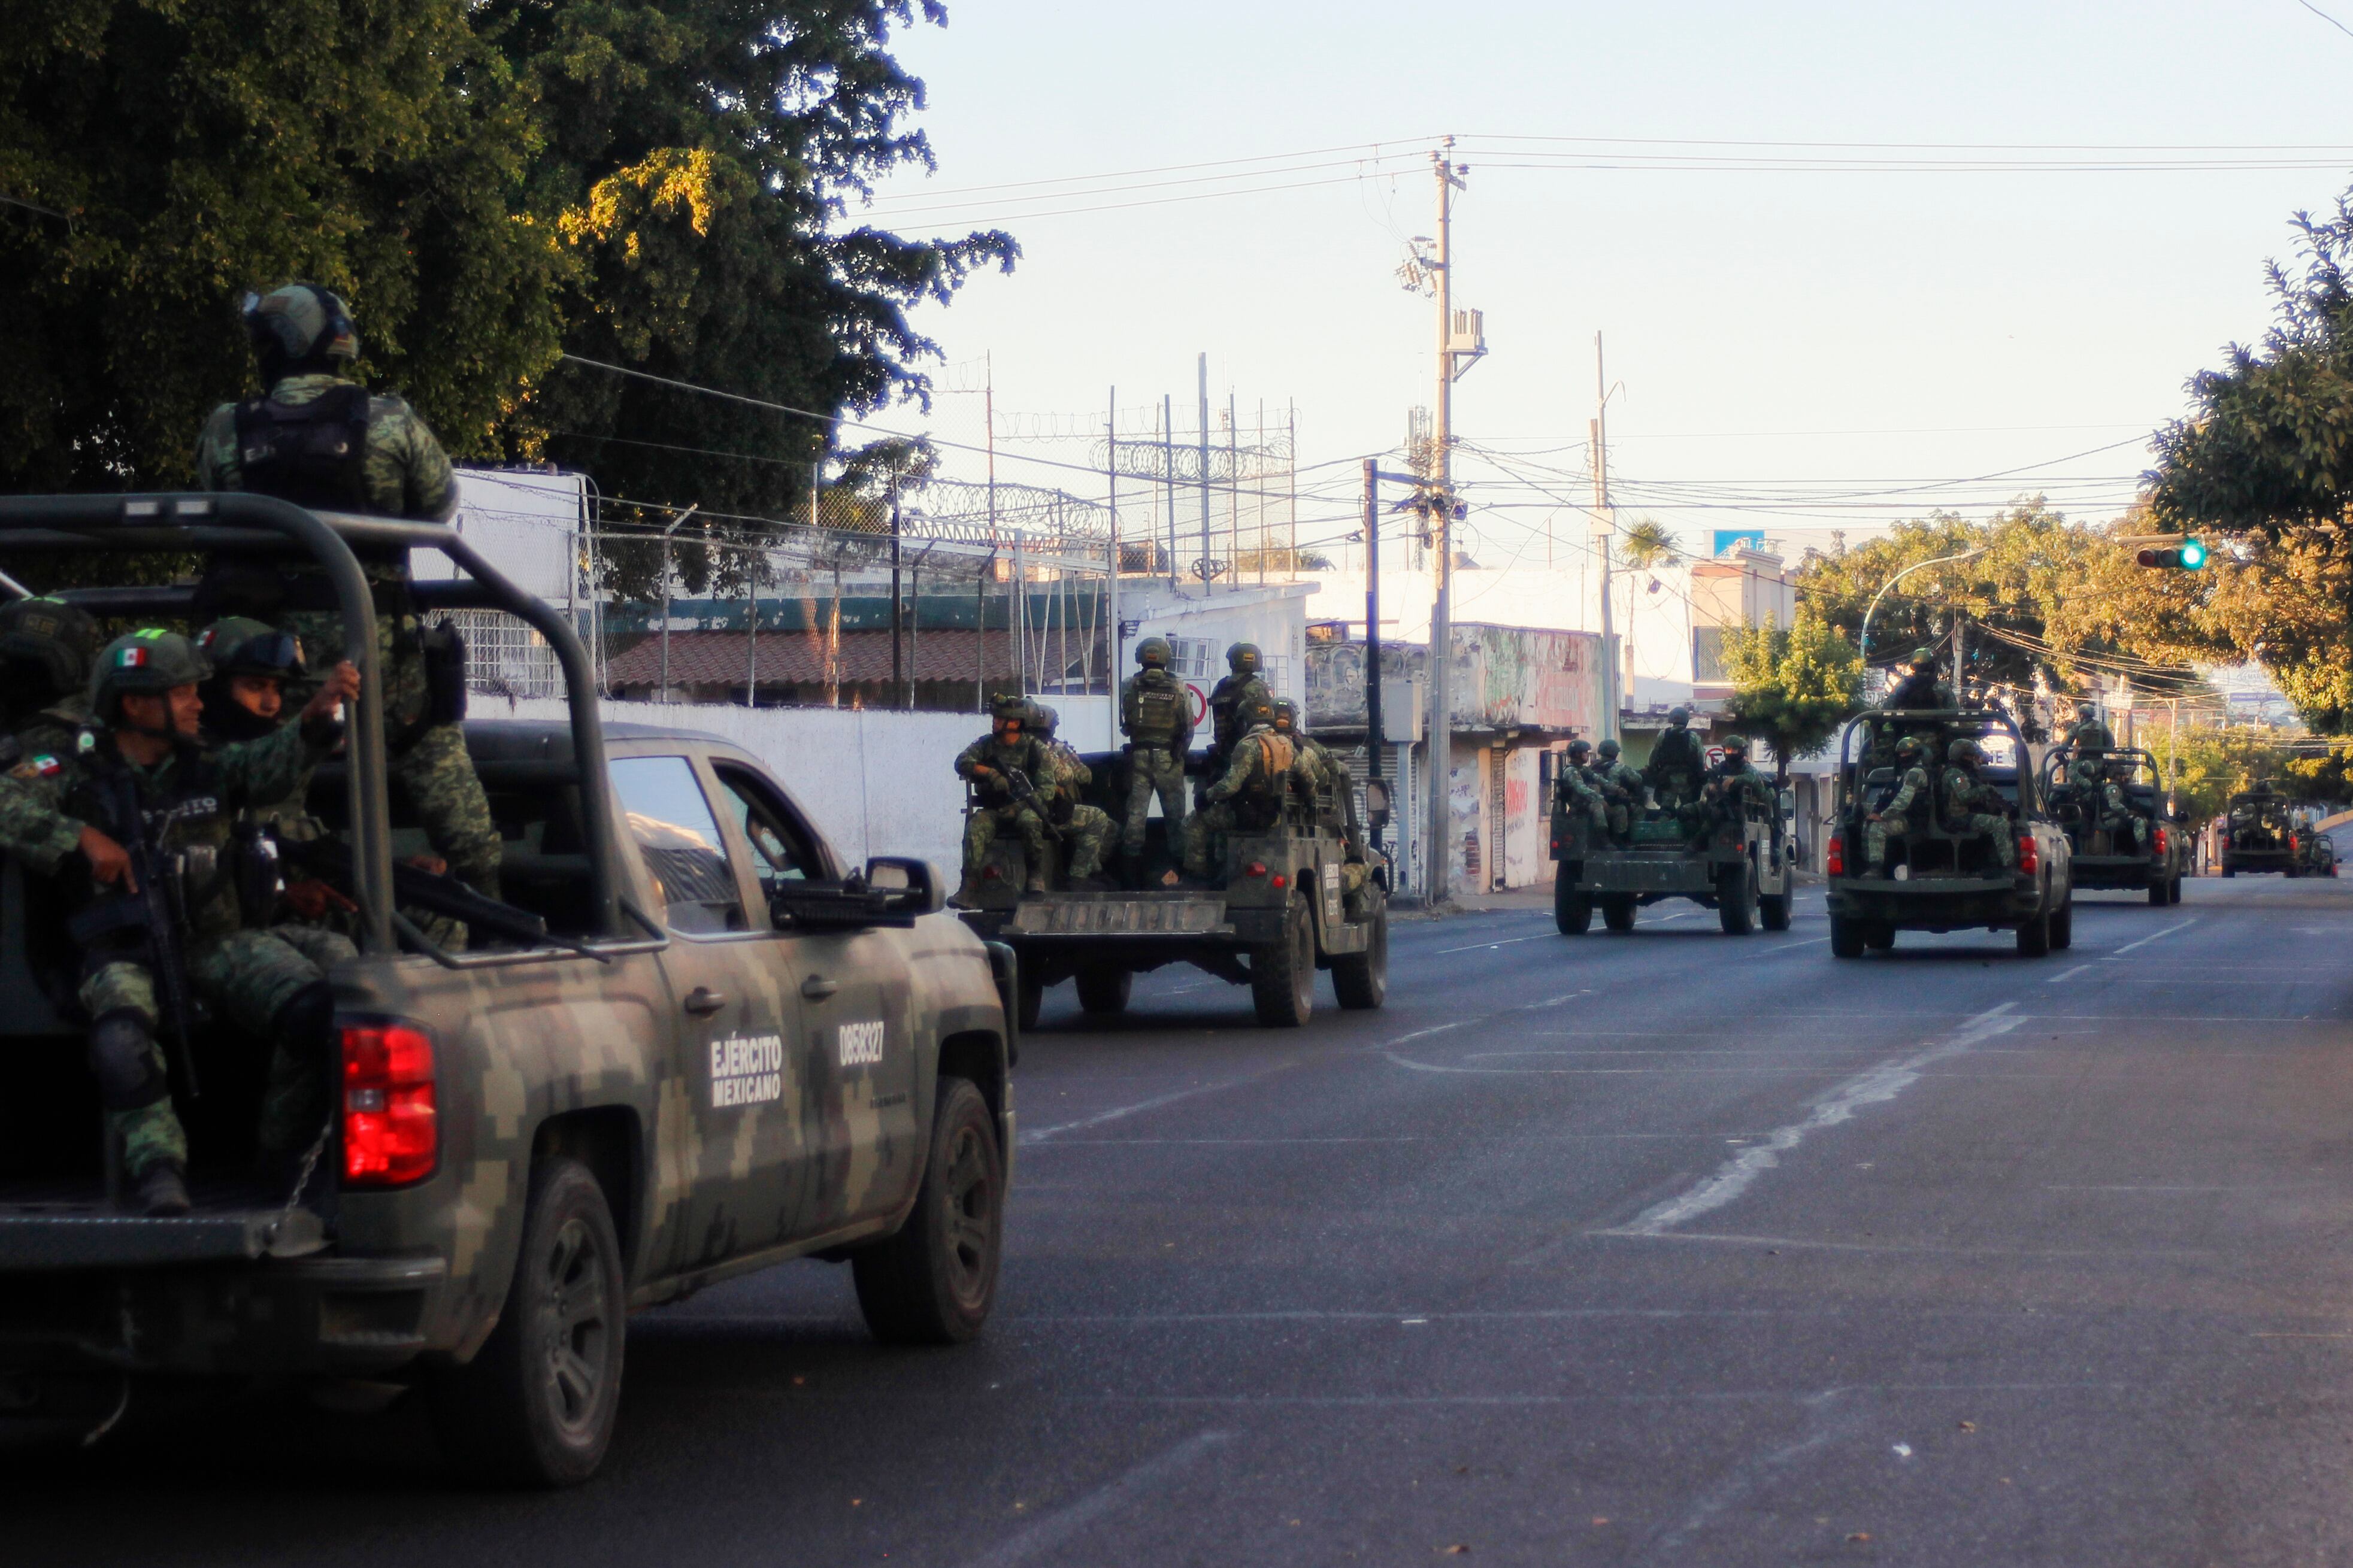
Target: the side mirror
(908, 886)
(1376, 797)
(2180, 817)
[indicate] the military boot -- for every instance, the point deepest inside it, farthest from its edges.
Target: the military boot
(161, 1190)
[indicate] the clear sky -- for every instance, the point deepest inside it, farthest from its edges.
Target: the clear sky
(1792, 344)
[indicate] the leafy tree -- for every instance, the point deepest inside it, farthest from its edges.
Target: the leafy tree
(1793, 685)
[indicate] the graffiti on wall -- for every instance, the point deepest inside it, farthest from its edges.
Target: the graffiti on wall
(1501, 677)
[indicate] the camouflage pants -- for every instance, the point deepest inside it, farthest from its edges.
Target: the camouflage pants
(1875, 836)
(1994, 828)
(1205, 832)
(980, 831)
(247, 977)
(1154, 771)
(1618, 820)
(1090, 832)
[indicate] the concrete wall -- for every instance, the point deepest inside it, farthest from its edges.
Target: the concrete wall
(874, 782)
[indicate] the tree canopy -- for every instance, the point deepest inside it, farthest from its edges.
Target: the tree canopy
(668, 187)
(1793, 685)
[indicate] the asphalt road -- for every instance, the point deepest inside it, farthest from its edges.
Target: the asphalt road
(1664, 1248)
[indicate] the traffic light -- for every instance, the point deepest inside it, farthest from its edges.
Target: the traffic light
(2187, 556)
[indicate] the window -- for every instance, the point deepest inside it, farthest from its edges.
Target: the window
(679, 837)
(781, 848)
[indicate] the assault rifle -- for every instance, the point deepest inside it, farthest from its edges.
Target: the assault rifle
(157, 910)
(1025, 794)
(440, 894)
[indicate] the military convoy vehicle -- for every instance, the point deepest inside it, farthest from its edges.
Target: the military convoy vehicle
(2260, 833)
(2319, 848)
(696, 1045)
(1278, 914)
(2154, 856)
(1935, 879)
(1739, 866)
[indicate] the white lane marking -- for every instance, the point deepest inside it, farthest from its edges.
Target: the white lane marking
(1735, 1484)
(1876, 1087)
(1050, 1532)
(1483, 946)
(1786, 946)
(1040, 1134)
(2069, 976)
(2153, 936)
(1791, 1243)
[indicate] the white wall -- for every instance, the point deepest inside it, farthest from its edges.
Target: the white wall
(875, 782)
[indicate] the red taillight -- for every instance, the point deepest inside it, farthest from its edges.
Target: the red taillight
(1834, 858)
(2293, 844)
(990, 873)
(391, 1134)
(2029, 858)
(2161, 841)
(1281, 881)
(1255, 868)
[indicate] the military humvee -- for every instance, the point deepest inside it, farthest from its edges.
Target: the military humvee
(1739, 866)
(1280, 914)
(2156, 857)
(1937, 879)
(699, 1045)
(2260, 833)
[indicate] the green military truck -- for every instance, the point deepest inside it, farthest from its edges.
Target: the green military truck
(1739, 866)
(2260, 833)
(695, 1044)
(1935, 876)
(1280, 912)
(2154, 856)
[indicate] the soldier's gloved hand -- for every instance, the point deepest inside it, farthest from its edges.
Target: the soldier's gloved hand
(312, 898)
(109, 861)
(342, 685)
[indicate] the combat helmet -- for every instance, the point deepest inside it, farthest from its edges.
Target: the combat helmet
(1010, 708)
(1678, 716)
(1154, 653)
(51, 638)
(1909, 746)
(1962, 751)
(1044, 720)
(298, 328)
(1243, 658)
(1579, 748)
(1610, 748)
(2085, 711)
(237, 645)
(1735, 745)
(1921, 656)
(1285, 716)
(143, 663)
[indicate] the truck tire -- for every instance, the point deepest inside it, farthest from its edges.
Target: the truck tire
(2174, 896)
(2229, 869)
(2160, 892)
(536, 1405)
(2063, 924)
(1104, 989)
(1572, 911)
(2034, 936)
(1032, 997)
(1773, 911)
(1846, 937)
(1617, 911)
(1736, 901)
(934, 1281)
(1879, 936)
(1283, 971)
(1361, 979)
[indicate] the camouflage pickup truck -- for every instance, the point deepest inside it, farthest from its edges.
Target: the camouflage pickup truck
(2261, 833)
(699, 1046)
(2150, 852)
(1738, 864)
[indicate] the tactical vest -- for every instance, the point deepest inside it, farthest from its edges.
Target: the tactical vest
(1677, 752)
(189, 816)
(1151, 710)
(313, 455)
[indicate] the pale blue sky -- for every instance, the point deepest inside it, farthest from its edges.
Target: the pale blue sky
(1824, 331)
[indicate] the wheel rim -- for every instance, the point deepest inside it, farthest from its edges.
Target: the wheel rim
(969, 1194)
(576, 1328)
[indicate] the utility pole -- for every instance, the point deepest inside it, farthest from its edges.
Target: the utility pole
(1111, 583)
(898, 669)
(1440, 516)
(672, 529)
(1605, 524)
(1373, 627)
(1205, 475)
(1168, 480)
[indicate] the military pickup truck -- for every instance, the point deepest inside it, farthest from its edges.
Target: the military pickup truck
(1279, 913)
(2260, 833)
(1937, 877)
(2154, 855)
(694, 1044)
(1737, 866)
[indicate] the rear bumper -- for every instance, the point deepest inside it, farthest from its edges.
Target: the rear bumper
(1939, 903)
(2100, 871)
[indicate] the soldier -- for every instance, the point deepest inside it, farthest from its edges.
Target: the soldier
(1676, 761)
(145, 774)
(988, 765)
(2106, 805)
(1906, 811)
(1622, 790)
(1156, 714)
(1088, 826)
(319, 441)
(1579, 794)
(1330, 774)
(1733, 788)
(2087, 734)
(1973, 806)
(46, 646)
(1239, 694)
(1266, 767)
(1920, 687)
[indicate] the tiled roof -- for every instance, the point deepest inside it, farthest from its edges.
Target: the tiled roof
(942, 653)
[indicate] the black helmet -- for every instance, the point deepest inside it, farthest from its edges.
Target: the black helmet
(49, 641)
(1579, 748)
(237, 645)
(1044, 720)
(298, 328)
(1286, 715)
(1678, 716)
(1243, 658)
(1610, 747)
(1963, 750)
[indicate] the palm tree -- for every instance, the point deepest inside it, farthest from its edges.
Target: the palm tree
(1647, 543)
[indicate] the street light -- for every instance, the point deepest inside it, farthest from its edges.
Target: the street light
(1863, 640)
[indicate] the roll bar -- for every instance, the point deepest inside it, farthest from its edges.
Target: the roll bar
(239, 522)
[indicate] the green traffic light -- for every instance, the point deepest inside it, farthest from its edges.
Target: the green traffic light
(2193, 554)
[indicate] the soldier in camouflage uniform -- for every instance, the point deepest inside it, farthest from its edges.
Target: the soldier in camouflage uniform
(319, 441)
(46, 646)
(1266, 768)
(1156, 714)
(1578, 790)
(1677, 763)
(1622, 790)
(1906, 810)
(985, 765)
(1734, 791)
(2106, 805)
(1920, 687)
(146, 771)
(1331, 776)
(2088, 733)
(1242, 693)
(1973, 806)
(1087, 828)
